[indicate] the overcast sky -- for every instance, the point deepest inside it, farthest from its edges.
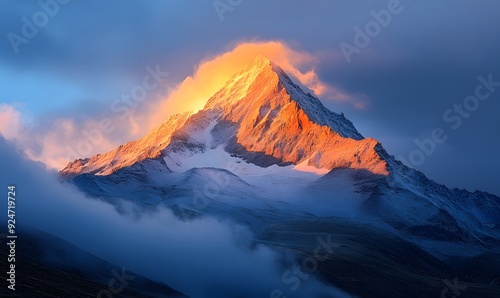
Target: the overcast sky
(425, 59)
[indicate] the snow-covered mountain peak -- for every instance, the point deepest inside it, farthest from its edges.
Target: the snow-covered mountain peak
(260, 115)
(261, 139)
(267, 81)
(243, 81)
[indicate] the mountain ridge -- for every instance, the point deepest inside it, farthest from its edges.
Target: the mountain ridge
(260, 101)
(265, 154)
(257, 120)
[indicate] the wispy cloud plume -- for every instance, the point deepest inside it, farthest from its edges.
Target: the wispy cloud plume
(212, 73)
(58, 140)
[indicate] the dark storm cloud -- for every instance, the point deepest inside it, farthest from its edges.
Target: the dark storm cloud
(426, 59)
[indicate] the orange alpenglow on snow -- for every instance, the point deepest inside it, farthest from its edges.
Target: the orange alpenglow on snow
(269, 115)
(149, 146)
(273, 121)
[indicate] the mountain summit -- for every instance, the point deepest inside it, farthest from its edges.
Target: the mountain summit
(259, 115)
(284, 141)
(271, 157)
(278, 135)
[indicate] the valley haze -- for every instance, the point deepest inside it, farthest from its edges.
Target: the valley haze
(249, 149)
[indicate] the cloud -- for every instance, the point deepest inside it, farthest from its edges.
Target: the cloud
(212, 73)
(205, 258)
(54, 142)
(58, 139)
(10, 121)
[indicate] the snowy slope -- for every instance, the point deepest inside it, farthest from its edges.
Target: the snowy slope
(147, 147)
(263, 145)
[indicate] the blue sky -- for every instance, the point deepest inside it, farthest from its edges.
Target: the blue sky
(425, 60)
